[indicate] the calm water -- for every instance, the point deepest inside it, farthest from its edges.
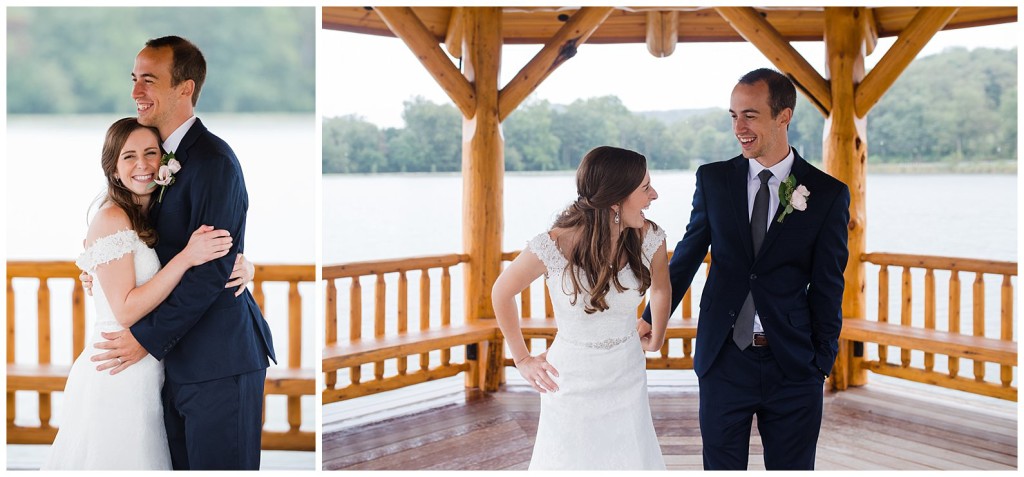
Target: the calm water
(53, 174)
(972, 216)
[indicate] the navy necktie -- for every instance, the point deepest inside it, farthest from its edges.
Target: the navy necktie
(743, 329)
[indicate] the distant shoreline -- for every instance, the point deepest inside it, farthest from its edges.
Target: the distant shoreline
(989, 167)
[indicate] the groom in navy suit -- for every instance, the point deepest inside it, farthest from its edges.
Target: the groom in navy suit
(771, 309)
(214, 346)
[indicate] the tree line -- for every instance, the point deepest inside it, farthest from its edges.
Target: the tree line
(79, 60)
(955, 106)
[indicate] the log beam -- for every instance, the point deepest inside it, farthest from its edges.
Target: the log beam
(556, 51)
(870, 26)
(845, 155)
(919, 31)
(662, 32)
(753, 27)
(404, 23)
(456, 32)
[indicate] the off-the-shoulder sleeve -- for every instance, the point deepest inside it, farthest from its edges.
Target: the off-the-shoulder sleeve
(106, 249)
(544, 248)
(652, 240)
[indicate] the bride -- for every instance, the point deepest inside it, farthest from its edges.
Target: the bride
(599, 259)
(116, 421)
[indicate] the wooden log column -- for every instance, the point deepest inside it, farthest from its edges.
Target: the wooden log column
(483, 168)
(845, 156)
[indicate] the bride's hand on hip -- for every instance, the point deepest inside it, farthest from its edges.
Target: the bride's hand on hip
(538, 372)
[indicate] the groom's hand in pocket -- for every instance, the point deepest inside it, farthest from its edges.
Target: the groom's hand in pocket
(123, 350)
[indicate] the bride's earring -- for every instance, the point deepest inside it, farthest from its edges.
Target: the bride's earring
(616, 217)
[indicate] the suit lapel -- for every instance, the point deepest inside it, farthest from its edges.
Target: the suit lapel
(181, 154)
(799, 170)
(738, 192)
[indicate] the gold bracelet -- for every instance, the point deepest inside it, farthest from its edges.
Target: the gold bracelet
(520, 360)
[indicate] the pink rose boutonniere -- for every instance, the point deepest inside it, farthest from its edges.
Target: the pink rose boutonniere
(794, 196)
(169, 166)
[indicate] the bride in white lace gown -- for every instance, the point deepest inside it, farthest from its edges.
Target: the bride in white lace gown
(599, 259)
(115, 421)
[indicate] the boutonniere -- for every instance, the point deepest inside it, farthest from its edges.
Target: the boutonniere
(794, 196)
(169, 166)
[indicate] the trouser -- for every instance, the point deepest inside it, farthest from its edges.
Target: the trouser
(741, 384)
(215, 424)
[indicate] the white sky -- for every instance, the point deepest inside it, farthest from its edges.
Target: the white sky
(356, 72)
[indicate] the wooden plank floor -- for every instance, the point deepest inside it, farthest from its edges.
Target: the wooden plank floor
(889, 424)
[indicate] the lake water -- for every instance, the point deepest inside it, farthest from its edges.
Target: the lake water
(53, 174)
(369, 217)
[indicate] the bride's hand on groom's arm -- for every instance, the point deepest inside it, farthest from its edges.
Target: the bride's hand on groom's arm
(243, 273)
(538, 372)
(123, 350)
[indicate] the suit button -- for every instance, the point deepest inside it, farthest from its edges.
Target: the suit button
(753, 276)
(732, 313)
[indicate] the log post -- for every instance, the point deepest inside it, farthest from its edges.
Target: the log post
(483, 168)
(845, 156)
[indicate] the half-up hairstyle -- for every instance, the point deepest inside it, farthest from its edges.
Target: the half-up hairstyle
(117, 193)
(606, 176)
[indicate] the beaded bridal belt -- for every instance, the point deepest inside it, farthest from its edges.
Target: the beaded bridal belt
(603, 344)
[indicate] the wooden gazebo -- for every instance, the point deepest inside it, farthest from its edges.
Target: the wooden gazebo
(844, 96)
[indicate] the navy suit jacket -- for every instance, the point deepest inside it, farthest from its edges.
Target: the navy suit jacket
(202, 331)
(796, 279)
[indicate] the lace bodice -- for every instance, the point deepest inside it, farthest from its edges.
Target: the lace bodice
(110, 248)
(600, 330)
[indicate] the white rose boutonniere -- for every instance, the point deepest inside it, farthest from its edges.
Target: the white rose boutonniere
(169, 166)
(794, 196)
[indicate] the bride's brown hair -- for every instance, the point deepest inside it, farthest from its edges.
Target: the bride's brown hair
(606, 177)
(117, 193)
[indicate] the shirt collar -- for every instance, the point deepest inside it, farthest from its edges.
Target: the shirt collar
(174, 140)
(780, 171)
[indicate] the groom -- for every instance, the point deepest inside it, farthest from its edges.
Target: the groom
(214, 346)
(770, 313)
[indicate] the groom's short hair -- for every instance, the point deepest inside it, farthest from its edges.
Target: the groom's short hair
(781, 92)
(189, 63)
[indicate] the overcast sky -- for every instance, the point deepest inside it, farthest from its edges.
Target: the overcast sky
(357, 73)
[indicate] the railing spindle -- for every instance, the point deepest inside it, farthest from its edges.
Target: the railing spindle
(331, 328)
(883, 307)
(43, 342)
(403, 316)
(1006, 328)
(979, 320)
(929, 313)
(954, 318)
(906, 313)
(379, 302)
(10, 347)
(425, 312)
(446, 310)
(355, 323)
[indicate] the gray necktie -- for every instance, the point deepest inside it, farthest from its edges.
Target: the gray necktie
(743, 329)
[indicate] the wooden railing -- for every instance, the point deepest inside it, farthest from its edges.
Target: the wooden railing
(932, 334)
(44, 377)
(435, 331)
(484, 348)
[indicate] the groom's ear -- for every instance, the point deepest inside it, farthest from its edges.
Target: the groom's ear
(188, 88)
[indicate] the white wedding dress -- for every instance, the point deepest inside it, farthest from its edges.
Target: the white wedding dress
(600, 417)
(112, 422)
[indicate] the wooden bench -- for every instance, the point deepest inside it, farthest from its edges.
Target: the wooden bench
(375, 350)
(931, 341)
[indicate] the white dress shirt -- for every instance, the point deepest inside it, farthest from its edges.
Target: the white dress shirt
(780, 171)
(174, 140)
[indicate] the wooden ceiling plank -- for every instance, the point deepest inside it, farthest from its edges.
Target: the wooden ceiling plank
(404, 23)
(911, 41)
(756, 30)
(556, 51)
